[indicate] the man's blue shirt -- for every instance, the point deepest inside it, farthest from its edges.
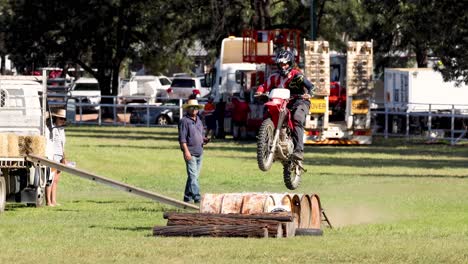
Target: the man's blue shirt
(192, 132)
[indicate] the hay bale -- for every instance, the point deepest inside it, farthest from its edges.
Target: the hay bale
(32, 145)
(25, 145)
(13, 149)
(3, 145)
(38, 145)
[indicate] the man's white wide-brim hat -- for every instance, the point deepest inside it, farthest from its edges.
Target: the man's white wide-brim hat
(59, 113)
(192, 102)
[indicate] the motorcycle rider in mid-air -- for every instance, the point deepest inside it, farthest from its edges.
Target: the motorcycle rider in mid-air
(301, 89)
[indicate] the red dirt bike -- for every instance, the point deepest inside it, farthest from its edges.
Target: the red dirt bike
(274, 140)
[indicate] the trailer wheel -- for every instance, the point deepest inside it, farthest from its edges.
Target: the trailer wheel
(40, 179)
(40, 198)
(2, 194)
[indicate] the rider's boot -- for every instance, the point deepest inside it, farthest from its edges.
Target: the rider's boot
(297, 155)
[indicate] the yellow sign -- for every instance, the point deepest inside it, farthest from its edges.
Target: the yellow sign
(318, 106)
(360, 106)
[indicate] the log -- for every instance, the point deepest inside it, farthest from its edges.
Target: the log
(275, 228)
(213, 230)
(270, 225)
(192, 220)
(268, 220)
(278, 216)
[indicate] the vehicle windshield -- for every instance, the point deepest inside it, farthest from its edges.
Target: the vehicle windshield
(183, 83)
(165, 81)
(86, 87)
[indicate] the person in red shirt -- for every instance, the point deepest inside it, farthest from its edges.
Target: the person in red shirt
(301, 90)
(240, 114)
(210, 118)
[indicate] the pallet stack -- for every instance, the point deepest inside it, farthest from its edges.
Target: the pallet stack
(359, 68)
(317, 66)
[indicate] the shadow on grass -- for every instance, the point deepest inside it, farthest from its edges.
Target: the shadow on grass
(370, 162)
(66, 210)
(127, 137)
(176, 146)
(99, 202)
(133, 228)
(156, 131)
(143, 209)
(413, 150)
(375, 163)
(400, 175)
(419, 150)
(15, 206)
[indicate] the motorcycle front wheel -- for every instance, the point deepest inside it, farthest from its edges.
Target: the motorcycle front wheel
(291, 175)
(264, 145)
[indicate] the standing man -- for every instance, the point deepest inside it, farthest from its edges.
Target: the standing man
(191, 140)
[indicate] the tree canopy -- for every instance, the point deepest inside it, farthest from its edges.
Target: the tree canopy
(100, 35)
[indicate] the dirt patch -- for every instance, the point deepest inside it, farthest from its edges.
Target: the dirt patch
(340, 217)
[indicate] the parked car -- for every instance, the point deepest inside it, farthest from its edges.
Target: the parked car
(183, 87)
(164, 114)
(87, 94)
(144, 86)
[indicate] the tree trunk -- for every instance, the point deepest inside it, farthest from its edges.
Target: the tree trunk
(105, 86)
(115, 80)
(2, 66)
(421, 57)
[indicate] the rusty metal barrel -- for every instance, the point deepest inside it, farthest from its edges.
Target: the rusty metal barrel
(316, 212)
(305, 208)
(305, 212)
(245, 203)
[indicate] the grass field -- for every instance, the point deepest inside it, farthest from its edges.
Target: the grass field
(390, 203)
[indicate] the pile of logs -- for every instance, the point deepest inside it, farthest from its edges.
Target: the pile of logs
(278, 224)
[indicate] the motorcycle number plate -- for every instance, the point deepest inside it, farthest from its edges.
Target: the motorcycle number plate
(318, 106)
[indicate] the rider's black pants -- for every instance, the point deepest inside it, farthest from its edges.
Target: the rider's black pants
(299, 110)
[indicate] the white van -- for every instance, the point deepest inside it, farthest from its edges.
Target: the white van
(141, 87)
(183, 87)
(87, 94)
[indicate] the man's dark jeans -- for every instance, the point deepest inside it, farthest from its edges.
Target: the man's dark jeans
(192, 188)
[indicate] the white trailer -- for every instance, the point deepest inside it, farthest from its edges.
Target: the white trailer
(422, 90)
(419, 102)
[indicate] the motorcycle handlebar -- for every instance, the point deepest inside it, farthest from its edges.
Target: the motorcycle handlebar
(294, 96)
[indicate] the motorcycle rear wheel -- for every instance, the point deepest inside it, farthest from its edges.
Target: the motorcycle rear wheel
(264, 144)
(291, 175)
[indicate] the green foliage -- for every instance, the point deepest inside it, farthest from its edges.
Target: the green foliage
(101, 34)
(390, 202)
(423, 28)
